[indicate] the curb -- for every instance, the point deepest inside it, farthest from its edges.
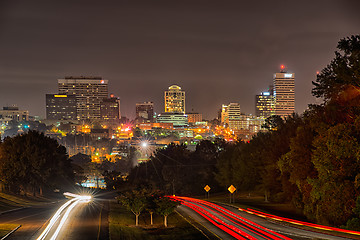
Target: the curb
(17, 209)
(11, 232)
(12, 210)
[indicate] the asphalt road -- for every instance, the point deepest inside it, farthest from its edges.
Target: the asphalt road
(86, 220)
(32, 220)
(227, 222)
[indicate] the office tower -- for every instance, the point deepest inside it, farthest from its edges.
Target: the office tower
(230, 115)
(234, 114)
(13, 113)
(224, 115)
(110, 109)
(144, 112)
(284, 92)
(89, 92)
(175, 100)
(60, 107)
(265, 103)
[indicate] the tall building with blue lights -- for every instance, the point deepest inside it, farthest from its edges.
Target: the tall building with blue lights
(265, 103)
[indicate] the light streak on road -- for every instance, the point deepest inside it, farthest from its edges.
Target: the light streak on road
(288, 220)
(69, 206)
(231, 223)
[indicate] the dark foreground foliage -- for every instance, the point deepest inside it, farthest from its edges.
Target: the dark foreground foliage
(31, 163)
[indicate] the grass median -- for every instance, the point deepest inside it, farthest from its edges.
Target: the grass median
(6, 228)
(122, 226)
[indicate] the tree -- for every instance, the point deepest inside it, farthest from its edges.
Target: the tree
(31, 161)
(164, 171)
(165, 207)
(337, 161)
(342, 72)
(237, 165)
(273, 122)
(135, 201)
(225, 173)
(151, 206)
(297, 165)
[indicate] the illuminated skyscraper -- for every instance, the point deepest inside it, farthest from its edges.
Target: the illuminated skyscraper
(230, 115)
(89, 92)
(174, 100)
(224, 115)
(234, 116)
(265, 104)
(284, 92)
(60, 107)
(110, 109)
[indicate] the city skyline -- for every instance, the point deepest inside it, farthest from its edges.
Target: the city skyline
(218, 52)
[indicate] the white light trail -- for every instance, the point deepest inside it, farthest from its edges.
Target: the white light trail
(69, 205)
(66, 215)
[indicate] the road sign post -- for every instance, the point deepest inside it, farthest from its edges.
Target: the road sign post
(232, 189)
(207, 190)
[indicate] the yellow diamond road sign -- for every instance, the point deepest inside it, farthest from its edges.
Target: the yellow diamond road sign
(207, 188)
(232, 189)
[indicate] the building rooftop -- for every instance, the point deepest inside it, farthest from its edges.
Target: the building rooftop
(174, 87)
(83, 77)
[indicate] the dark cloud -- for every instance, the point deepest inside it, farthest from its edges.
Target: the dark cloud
(217, 51)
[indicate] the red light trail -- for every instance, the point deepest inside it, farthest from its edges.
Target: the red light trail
(288, 220)
(229, 222)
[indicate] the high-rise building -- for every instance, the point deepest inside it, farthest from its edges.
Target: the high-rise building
(231, 116)
(60, 107)
(144, 112)
(284, 92)
(89, 92)
(224, 115)
(174, 100)
(110, 109)
(265, 103)
(234, 116)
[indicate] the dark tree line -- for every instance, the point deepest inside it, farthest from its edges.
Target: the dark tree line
(31, 163)
(176, 170)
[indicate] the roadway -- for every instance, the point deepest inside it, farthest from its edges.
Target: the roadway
(226, 222)
(84, 220)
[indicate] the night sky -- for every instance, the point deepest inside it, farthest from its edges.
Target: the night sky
(217, 51)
